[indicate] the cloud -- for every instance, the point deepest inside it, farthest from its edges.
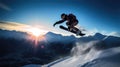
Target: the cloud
(12, 26)
(91, 32)
(117, 34)
(5, 25)
(5, 7)
(95, 30)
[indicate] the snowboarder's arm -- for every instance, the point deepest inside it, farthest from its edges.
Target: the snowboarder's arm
(59, 22)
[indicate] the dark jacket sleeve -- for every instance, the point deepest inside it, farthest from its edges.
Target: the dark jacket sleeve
(61, 21)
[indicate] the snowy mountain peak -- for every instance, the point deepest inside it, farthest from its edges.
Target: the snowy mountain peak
(99, 36)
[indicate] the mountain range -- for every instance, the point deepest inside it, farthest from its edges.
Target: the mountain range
(15, 45)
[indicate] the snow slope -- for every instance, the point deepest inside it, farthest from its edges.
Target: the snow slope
(94, 58)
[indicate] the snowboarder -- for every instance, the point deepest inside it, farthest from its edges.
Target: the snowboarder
(71, 23)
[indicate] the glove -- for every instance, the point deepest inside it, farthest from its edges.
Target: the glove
(54, 24)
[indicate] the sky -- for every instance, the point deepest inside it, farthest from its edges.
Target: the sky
(93, 15)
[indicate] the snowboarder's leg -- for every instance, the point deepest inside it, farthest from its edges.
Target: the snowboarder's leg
(78, 32)
(69, 26)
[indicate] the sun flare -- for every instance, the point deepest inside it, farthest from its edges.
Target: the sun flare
(35, 31)
(36, 34)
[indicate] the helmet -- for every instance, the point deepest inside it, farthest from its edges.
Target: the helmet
(63, 15)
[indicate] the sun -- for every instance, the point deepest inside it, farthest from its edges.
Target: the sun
(36, 34)
(35, 31)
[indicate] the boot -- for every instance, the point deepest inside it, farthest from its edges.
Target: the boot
(78, 33)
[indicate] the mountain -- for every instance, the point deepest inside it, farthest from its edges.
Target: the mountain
(108, 58)
(52, 37)
(13, 34)
(92, 51)
(97, 36)
(58, 50)
(16, 50)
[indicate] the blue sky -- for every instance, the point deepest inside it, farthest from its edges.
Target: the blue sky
(103, 15)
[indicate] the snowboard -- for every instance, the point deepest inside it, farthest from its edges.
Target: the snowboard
(72, 31)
